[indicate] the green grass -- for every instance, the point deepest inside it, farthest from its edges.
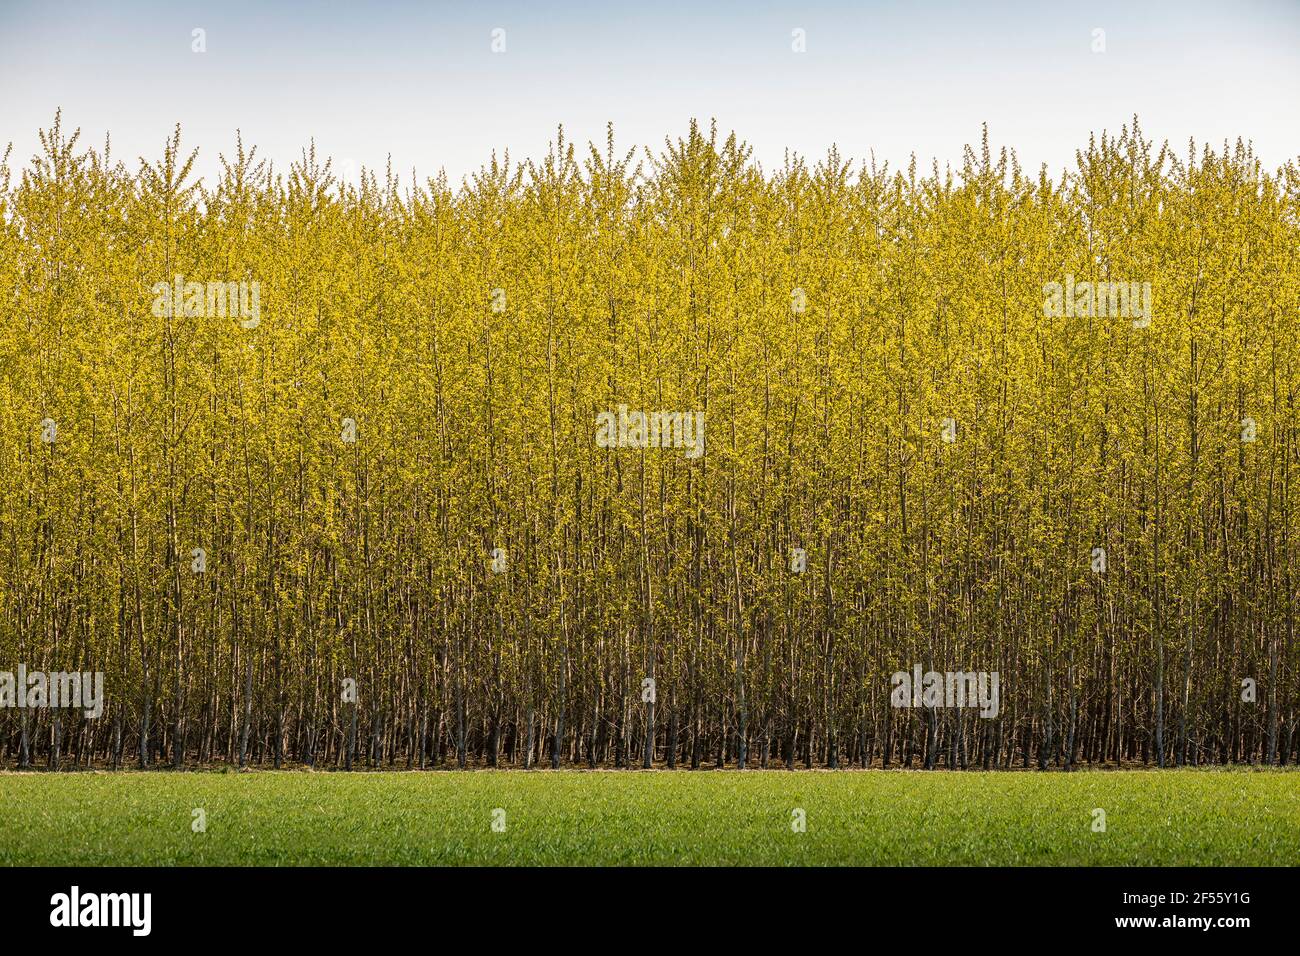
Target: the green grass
(1173, 817)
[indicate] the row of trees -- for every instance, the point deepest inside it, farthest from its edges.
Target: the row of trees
(371, 523)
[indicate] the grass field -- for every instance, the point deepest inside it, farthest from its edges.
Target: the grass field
(1178, 817)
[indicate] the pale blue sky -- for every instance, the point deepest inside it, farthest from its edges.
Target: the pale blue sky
(419, 80)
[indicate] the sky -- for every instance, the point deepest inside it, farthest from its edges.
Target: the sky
(421, 83)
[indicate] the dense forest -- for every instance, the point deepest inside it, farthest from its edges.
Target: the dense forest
(311, 468)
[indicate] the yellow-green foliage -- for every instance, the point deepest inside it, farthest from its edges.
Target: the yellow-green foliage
(825, 320)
